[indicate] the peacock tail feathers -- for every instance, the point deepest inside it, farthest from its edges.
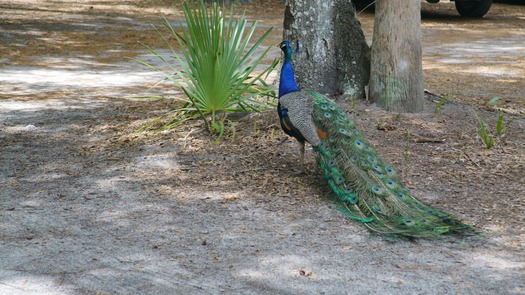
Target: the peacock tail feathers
(369, 189)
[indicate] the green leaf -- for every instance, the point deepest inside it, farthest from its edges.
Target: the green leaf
(493, 100)
(440, 103)
(499, 124)
(484, 133)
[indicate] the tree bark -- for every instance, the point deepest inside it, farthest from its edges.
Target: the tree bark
(333, 57)
(396, 81)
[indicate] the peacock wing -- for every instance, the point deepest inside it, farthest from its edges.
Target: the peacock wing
(300, 106)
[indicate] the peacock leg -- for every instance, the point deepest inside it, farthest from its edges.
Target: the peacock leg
(301, 148)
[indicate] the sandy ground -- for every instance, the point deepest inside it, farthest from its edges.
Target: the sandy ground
(89, 207)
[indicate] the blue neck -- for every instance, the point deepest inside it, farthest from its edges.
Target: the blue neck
(287, 81)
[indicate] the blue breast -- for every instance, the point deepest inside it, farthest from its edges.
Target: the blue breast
(286, 80)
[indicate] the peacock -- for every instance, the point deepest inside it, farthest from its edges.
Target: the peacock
(366, 188)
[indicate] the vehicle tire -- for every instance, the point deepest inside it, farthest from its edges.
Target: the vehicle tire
(470, 8)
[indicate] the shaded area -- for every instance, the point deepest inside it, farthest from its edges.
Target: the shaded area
(88, 208)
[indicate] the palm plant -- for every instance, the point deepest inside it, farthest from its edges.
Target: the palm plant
(217, 66)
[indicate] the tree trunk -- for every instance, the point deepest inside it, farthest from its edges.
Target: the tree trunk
(333, 57)
(396, 81)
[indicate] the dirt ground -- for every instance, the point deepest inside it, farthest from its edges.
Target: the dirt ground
(89, 207)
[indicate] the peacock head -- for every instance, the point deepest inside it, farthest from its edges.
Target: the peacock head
(285, 47)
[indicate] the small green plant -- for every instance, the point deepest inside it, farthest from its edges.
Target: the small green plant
(500, 128)
(353, 101)
(443, 99)
(502, 125)
(217, 67)
(492, 101)
(484, 133)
